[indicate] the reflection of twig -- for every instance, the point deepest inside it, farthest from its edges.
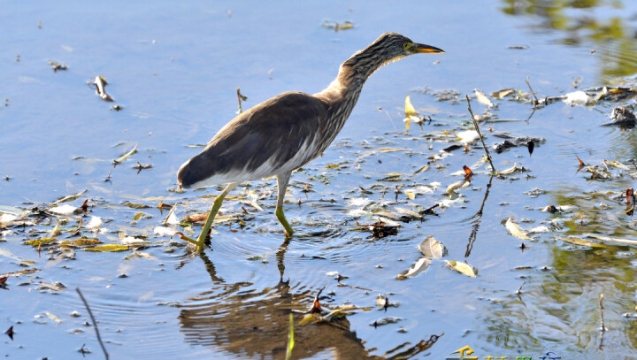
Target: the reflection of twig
(478, 216)
(472, 238)
(484, 200)
(475, 123)
(414, 350)
(600, 304)
(97, 332)
(210, 268)
(530, 116)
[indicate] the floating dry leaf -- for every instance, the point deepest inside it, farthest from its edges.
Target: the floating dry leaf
(410, 193)
(421, 265)
(52, 317)
(40, 242)
(510, 170)
(462, 268)
(612, 240)
(409, 213)
(135, 205)
(385, 321)
(70, 197)
(410, 113)
(515, 230)
(108, 248)
(55, 232)
(100, 87)
(80, 242)
(502, 93)
(432, 248)
(125, 156)
(483, 99)
(580, 241)
(458, 185)
(422, 169)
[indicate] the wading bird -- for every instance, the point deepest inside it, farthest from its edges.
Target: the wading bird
(287, 131)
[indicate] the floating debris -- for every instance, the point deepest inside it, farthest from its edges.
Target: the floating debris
(516, 230)
(622, 117)
(432, 248)
(56, 65)
(345, 25)
(125, 156)
(100, 88)
(462, 268)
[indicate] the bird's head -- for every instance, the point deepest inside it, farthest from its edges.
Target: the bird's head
(389, 47)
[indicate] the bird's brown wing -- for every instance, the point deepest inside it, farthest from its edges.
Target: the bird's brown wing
(276, 134)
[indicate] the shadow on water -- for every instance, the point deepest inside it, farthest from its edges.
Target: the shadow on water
(248, 320)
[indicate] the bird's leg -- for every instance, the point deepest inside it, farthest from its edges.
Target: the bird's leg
(216, 205)
(282, 181)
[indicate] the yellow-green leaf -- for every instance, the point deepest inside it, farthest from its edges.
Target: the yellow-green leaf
(108, 248)
(462, 268)
(38, 242)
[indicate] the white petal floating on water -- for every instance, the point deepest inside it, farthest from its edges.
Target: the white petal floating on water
(539, 229)
(578, 98)
(432, 248)
(164, 231)
(65, 209)
(515, 230)
(468, 136)
(133, 241)
(95, 223)
(462, 268)
(358, 202)
(7, 220)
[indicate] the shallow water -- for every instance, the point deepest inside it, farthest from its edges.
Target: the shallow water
(175, 69)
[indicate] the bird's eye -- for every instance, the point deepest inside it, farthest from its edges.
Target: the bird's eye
(406, 46)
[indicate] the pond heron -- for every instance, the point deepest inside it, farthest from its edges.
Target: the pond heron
(287, 131)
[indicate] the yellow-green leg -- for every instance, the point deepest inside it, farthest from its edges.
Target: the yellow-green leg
(216, 205)
(282, 181)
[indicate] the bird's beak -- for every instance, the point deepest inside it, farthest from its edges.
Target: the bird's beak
(427, 49)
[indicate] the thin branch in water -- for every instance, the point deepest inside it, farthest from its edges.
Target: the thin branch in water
(240, 98)
(536, 102)
(97, 332)
(475, 123)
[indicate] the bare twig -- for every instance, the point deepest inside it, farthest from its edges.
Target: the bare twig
(475, 123)
(536, 102)
(97, 332)
(240, 98)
